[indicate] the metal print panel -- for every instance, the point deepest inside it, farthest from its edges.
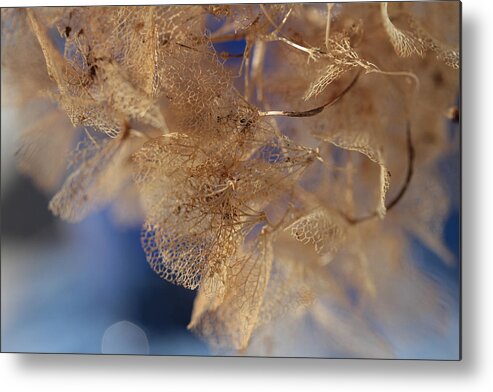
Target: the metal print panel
(248, 179)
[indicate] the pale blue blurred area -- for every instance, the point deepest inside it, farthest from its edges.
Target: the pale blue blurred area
(124, 335)
(441, 347)
(63, 288)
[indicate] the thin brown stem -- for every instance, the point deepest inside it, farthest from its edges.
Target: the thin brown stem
(314, 111)
(405, 185)
(327, 26)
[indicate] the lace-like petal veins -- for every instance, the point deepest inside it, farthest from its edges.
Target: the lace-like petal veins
(83, 191)
(361, 143)
(159, 163)
(448, 55)
(86, 112)
(209, 297)
(229, 319)
(286, 292)
(54, 60)
(330, 73)
(405, 45)
(192, 225)
(178, 258)
(322, 229)
(138, 33)
(342, 58)
(127, 99)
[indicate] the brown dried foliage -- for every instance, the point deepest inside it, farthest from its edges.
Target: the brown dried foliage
(273, 183)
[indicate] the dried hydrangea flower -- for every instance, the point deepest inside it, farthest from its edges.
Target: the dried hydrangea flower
(281, 182)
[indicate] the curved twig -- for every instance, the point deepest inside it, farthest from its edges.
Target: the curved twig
(405, 186)
(314, 111)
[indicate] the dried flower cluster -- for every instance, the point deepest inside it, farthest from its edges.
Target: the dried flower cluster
(284, 181)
